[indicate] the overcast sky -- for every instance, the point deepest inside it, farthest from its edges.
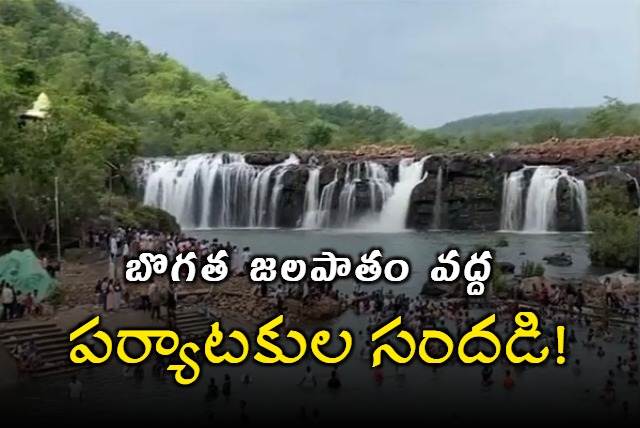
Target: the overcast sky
(431, 61)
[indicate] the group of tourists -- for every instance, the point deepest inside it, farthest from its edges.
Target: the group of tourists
(27, 356)
(124, 244)
(419, 313)
(16, 305)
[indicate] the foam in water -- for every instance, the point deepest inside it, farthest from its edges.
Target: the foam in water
(204, 191)
(537, 212)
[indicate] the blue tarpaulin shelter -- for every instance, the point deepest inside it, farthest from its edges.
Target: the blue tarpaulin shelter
(25, 273)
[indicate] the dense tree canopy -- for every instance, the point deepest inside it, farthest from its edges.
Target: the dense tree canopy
(112, 99)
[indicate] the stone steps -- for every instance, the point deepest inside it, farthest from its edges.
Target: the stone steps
(192, 325)
(52, 343)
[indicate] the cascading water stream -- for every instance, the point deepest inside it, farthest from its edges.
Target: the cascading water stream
(276, 192)
(533, 207)
(310, 218)
(370, 178)
(512, 201)
(540, 208)
(393, 216)
(323, 218)
(223, 191)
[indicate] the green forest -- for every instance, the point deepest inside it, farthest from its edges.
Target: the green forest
(112, 99)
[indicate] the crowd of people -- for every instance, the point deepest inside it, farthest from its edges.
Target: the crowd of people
(377, 307)
(574, 298)
(558, 306)
(27, 356)
(16, 305)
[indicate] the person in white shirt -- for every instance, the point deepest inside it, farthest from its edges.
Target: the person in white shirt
(7, 302)
(608, 291)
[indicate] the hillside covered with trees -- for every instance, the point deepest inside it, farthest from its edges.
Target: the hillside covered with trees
(533, 126)
(516, 119)
(112, 99)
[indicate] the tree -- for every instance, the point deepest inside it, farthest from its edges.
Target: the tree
(613, 118)
(613, 221)
(320, 134)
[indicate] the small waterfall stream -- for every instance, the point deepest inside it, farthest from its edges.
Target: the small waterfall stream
(393, 216)
(369, 178)
(312, 214)
(512, 201)
(532, 207)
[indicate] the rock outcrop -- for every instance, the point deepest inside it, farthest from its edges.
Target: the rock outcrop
(463, 191)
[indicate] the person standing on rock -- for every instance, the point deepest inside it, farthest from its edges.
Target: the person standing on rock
(608, 291)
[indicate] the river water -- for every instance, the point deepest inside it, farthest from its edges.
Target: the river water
(453, 393)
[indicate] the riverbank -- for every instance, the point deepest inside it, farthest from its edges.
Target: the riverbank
(234, 298)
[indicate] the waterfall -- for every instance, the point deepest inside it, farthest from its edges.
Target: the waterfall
(540, 208)
(393, 217)
(310, 218)
(224, 191)
(323, 219)
(368, 178)
(205, 191)
(512, 201)
(276, 192)
(579, 192)
(533, 207)
(437, 207)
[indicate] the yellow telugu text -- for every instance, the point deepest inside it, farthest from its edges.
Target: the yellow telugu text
(167, 342)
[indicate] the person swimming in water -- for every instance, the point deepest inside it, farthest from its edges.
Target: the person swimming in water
(487, 372)
(308, 380)
(334, 381)
(212, 390)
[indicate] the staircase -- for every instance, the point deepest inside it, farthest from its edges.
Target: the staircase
(52, 343)
(192, 325)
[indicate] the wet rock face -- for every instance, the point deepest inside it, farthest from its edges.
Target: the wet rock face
(470, 195)
(291, 204)
(568, 216)
(470, 189)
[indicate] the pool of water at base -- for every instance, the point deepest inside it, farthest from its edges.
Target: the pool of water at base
(421, 249)
(453, 391)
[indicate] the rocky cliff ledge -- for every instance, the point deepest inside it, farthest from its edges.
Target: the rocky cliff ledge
(471, 184)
